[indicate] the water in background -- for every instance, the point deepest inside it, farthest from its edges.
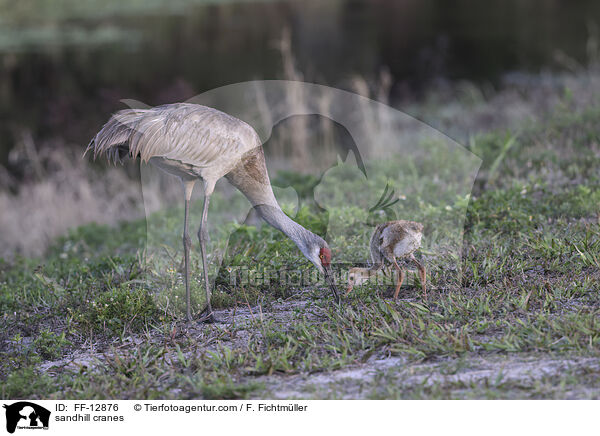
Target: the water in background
(64, 69)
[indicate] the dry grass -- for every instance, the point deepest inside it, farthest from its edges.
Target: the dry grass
(68, 196)
(66, 192)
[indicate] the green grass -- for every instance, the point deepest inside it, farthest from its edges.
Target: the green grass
(528, 286)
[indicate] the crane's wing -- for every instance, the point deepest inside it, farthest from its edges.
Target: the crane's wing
(190, 133)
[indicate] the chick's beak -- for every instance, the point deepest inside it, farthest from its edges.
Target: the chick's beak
(330, 281)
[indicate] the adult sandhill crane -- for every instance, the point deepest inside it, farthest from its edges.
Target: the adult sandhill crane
(391, 240)
(195, 142)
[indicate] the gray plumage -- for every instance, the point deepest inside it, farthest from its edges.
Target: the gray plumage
(205, 141)
(195, 142)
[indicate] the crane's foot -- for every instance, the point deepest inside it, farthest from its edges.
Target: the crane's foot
(209, 318)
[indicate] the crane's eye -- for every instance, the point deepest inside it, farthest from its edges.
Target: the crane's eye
(351, 278)
(321, 256)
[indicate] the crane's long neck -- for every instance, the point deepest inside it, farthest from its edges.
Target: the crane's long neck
(251, 178)
(275, 217)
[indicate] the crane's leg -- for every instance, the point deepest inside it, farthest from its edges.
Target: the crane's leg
(203, 237)
(422, 274)
(188, 187)
(400, 278)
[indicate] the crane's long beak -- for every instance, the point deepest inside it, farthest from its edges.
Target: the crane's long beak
(331, 283)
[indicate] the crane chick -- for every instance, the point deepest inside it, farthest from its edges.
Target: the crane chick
(391, 240)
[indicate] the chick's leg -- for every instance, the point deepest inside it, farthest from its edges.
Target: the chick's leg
(400, 279)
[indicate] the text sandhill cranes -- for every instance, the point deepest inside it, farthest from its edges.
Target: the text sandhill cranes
(195, 142)
(391, 240)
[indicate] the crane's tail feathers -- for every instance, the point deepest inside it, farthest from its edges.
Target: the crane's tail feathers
(119, 137)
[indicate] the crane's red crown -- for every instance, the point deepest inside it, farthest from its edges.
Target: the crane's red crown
(325, 256)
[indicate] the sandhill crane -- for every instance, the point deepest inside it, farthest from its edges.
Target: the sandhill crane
(391, 240)
(195, 142)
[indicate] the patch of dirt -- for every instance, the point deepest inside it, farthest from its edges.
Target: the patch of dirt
(361, 381)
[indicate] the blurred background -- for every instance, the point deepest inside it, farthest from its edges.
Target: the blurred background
(462, 66)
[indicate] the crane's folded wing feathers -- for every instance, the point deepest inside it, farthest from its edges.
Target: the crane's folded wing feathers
(189, 133)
